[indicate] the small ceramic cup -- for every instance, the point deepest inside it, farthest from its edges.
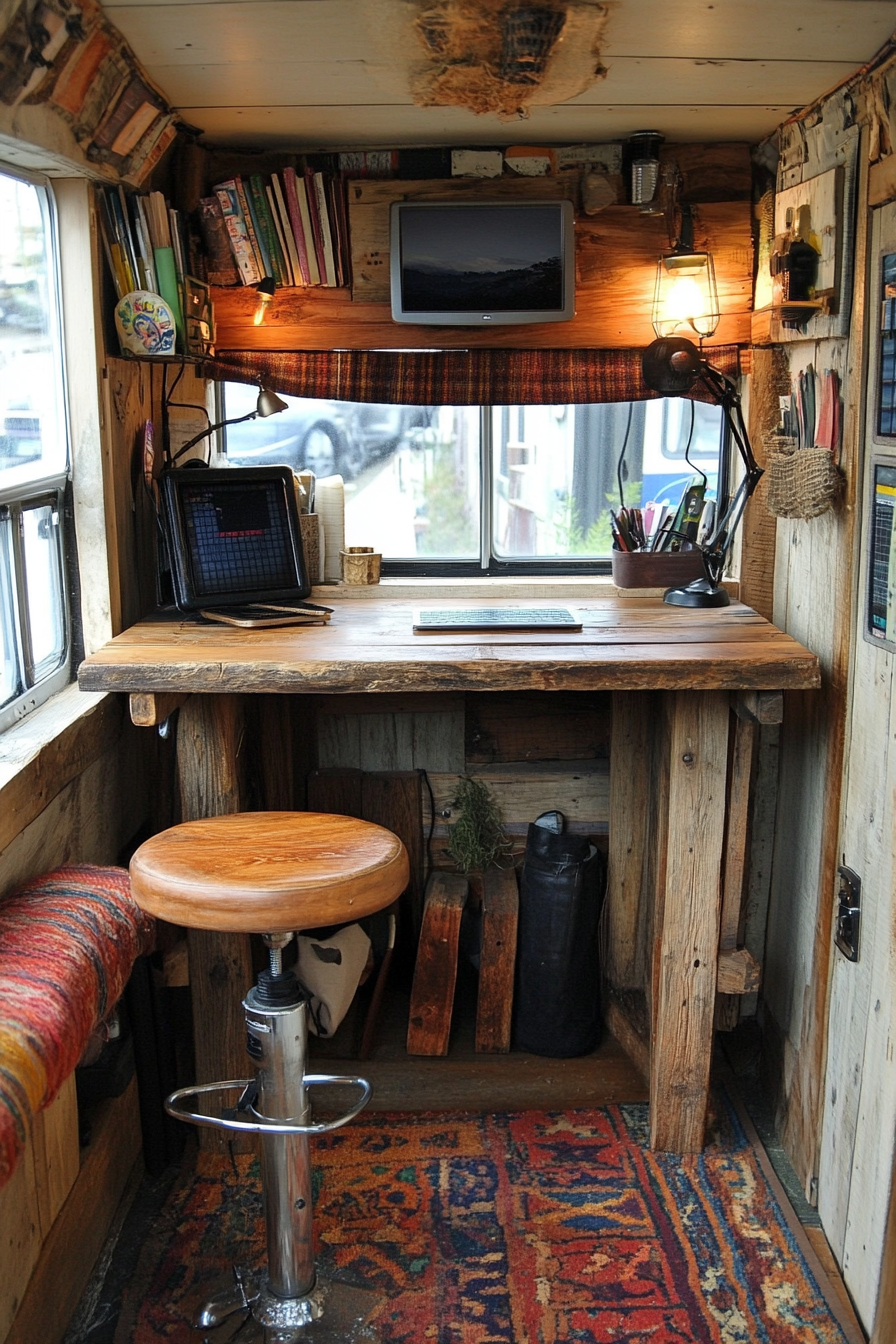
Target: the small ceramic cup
(360, 564)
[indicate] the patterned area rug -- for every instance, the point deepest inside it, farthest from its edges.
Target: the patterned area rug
(511, 1229)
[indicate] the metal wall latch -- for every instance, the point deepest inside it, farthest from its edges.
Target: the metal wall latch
(848, 913)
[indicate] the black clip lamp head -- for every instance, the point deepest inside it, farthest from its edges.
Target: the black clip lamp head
(673, 366)
(268, 403)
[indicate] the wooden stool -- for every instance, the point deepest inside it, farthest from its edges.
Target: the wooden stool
(276, 873)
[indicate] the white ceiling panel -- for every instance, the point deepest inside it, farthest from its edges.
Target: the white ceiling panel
(310, 128)
(338, 72)
(721, 83)
(194, 33)
(657, 83)
(788, 30)
(286, 83)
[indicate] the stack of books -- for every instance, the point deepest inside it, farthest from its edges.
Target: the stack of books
(291, 226)
(145, 243)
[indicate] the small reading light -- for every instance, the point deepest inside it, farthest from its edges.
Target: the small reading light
(685, 297)
(268, 403)
(265, 289)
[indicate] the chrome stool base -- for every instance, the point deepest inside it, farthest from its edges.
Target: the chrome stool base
(332, 1313)
(290, 1302)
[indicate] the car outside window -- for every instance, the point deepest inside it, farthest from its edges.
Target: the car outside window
(487, 489)
(34, 638)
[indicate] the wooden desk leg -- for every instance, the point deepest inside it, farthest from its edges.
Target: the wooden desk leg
(210, 735)
(687, 918)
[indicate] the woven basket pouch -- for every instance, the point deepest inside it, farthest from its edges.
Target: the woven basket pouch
(802, 482)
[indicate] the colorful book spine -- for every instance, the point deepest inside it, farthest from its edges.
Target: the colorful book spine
(290, 190)
(326, 231)
(297, 198)
(222, 267)
(284, 229)
(286, 262)
(264, 266)
(264, 227)
(316, 228)
(237, 232)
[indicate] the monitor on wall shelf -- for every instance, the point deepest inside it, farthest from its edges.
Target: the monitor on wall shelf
(482, 264)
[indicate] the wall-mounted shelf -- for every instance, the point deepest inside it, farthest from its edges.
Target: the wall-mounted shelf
(616, 253)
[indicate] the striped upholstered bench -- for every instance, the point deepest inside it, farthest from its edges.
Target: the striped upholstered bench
(68, 941)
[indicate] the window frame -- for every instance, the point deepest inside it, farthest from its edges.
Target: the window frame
(488, 565)
(46, 487)
(491, 566)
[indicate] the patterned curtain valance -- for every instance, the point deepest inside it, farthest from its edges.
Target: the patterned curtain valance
(451, 377)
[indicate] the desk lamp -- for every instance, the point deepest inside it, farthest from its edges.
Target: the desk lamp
(268, 403)
(673, 366)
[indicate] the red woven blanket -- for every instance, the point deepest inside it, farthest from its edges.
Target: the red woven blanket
(67, 944)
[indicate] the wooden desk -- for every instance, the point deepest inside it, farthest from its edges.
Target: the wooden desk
(702, 664)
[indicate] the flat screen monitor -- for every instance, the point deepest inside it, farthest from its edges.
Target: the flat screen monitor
(481, 264)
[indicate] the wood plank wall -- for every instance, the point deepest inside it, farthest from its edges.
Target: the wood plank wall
(616, 255)
(534, 750)
(814, 577)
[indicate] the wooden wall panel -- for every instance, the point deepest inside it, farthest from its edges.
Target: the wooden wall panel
(616, 255)
(813, 601)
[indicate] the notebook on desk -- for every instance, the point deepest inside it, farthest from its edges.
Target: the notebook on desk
(235, 546)
(496, 618)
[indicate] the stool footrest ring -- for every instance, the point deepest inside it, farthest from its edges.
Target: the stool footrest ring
(176, 1105)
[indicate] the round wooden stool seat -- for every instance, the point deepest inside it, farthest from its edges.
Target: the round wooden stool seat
(269, 872)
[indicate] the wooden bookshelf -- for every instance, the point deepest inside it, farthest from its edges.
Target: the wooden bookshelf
(616, 255)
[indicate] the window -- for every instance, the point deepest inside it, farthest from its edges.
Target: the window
(34, 642)
(500, 489)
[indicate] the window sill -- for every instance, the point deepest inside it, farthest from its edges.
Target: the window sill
(526, 587)
(49, 748)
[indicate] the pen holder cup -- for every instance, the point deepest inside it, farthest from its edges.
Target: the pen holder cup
(360, 564)
(655, 569)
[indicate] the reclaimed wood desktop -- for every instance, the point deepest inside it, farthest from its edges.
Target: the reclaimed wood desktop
(676, 675)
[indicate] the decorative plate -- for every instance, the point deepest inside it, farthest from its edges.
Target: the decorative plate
(145, 324)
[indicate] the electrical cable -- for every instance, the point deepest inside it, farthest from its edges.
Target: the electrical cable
(621, 458)
(687, 450)
(432, 826)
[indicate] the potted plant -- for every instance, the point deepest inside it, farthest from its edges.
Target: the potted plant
(476, 840)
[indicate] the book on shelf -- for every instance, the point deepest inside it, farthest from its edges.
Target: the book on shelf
(316, 228)
(264, 225)
(300, 219)
(326, 230)
(339, 218)
(238, 232)
(292, 226)
(247, 198)
(284, 229)
(221, 265)
(143, 244)
(260, 260)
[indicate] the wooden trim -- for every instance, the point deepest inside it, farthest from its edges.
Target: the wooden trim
(687, 956)
(148, 710)
(65, 756)
(739, 972)
(885, 1316)
(882, 181)
(73, 1246)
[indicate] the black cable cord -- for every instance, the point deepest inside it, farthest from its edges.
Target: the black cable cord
(432, 826)
(687, 450)
(621, 458)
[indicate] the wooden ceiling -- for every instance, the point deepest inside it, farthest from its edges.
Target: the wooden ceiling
(308, 74)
